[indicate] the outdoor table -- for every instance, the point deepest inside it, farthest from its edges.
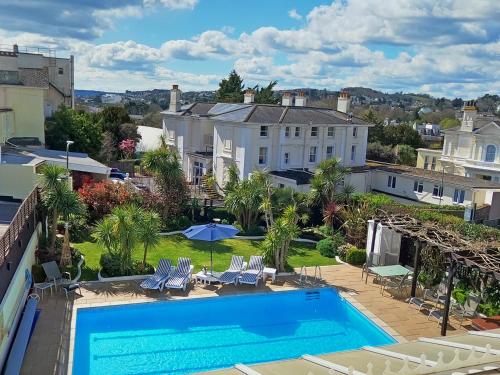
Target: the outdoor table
(269, 272)
(207, 278)
(389, 271)
(42, 286)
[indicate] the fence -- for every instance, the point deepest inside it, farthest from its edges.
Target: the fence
(14, 241)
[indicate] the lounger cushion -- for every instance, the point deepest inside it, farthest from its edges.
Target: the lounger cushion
(229, 276)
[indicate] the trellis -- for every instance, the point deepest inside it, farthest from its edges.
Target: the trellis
(481, 255)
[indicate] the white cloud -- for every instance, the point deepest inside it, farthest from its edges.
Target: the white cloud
(292, 13)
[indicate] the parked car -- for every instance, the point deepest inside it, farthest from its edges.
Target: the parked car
(117, 174)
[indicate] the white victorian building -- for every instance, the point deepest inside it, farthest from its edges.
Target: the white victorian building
(288, 140)
(471, 150)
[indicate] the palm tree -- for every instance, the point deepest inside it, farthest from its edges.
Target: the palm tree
(148, 232)
(104, 235)
(70, 207)
(53, 186)
(124, 227)
(328, 177)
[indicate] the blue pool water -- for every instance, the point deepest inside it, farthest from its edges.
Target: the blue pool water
(182, 337)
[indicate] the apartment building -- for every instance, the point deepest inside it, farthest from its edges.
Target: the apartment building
(289, 140)
(39, 68)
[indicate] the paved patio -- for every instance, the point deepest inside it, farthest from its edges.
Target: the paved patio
(48, 351)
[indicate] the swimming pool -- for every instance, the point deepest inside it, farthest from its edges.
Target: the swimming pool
(201, 334)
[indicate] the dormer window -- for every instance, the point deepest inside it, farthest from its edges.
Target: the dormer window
(491, 153)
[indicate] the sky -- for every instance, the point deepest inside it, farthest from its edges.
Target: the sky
(445, 48)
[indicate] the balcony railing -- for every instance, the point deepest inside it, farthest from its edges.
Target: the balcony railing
(14, 241)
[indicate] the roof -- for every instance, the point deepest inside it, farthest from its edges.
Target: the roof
(468, 182)
(302, 177)
(470, 353)
(268, 114)
(480, 122)
(77, 161)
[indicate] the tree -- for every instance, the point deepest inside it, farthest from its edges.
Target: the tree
(277, 241)
(80, 127)
(457, 103)
(448, 123)
(230, 89)
(173, 195)
(245, 200)
(70, 207)
(265, 95)
(328, 178)
(148, 232)
(375, 133)
(406, 155)
(52, 183)
(380, 152)
(402, 134)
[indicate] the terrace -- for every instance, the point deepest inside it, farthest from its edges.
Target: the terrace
(50, 348)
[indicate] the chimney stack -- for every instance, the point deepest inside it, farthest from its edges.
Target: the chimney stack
(15, 48)
(175, 99)
(344, 102)
(469, 116)
(249, 97)
(301, 100)
(287, 99)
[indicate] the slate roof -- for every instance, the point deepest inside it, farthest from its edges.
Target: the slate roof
(268, 114)
(300, 176)
(480, 122)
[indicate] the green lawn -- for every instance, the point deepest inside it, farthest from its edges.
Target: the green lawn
(172, 247)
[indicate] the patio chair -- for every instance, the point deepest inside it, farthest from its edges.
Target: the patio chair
(468, 310)
(180, 277)
(231, 275)
(397, 287)
(437, 295)
(54, 274)
(157, 281)
(254, 272)
(367, 265)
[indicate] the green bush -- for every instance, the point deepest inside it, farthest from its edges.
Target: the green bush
(110, 264)
(220, 213)
(356, 256)
(325, 247)
(38, 273)
(326, 230)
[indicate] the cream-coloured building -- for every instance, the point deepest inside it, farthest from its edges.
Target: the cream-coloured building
(471, 150)
(289, 137)
(40, 67)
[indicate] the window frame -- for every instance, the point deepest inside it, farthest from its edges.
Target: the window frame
(433, 163)
(494, 154)
(331, 153)
(418, 186)
(316, 131)
(459, 196)
(439, 191)
(60, 71)
(391, 181)
(297, 132)
(263, 156)
(287, 132)
(228, 144)
(330, 132)
(313, 157)
(264, 131)
(353, 153)
(355, 132)
(286, 158)
(426, 161)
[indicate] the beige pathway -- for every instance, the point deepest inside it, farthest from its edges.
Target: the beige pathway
(48, 350)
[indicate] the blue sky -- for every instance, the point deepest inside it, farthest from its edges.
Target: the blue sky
(441, 47)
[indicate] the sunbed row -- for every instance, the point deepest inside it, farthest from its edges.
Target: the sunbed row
(167, 276)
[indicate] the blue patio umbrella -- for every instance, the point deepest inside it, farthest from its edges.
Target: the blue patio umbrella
(210, 232)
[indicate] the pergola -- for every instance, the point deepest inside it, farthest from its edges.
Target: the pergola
(481, 255)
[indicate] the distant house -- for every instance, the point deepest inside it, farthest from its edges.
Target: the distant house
(111, 99)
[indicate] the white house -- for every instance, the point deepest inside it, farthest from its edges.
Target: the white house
(289, 137)
(472, 149)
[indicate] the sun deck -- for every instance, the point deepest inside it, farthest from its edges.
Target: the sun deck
(49, 351)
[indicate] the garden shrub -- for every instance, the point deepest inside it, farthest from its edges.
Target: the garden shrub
(110, 264)
(343, 249)
(220, 213)
(326, 230)
(325, 247)
(356, 256)
(38, 273)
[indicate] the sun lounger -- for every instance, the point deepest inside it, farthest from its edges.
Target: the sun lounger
(179, 279)
(231, 275)
(54, 275)
(420, 303)
(157, 281)
(254, 272)
(468, 310)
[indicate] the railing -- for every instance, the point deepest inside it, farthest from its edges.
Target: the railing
(14, 241)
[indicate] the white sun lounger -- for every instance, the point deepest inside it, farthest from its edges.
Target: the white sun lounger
(161, 275)
(179, 279)
(254, 272)
(231, 275)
